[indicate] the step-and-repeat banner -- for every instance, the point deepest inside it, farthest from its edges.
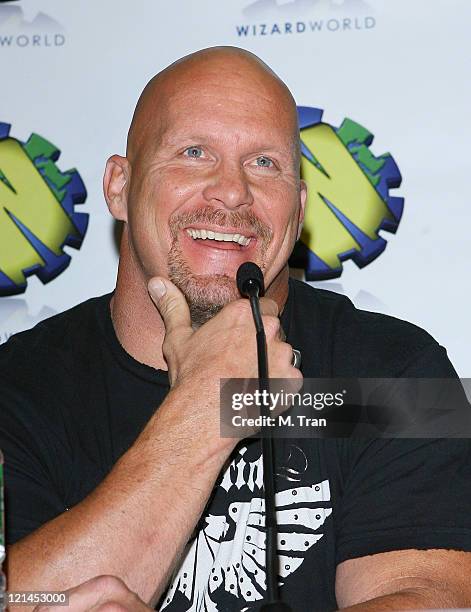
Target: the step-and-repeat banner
(383, 94)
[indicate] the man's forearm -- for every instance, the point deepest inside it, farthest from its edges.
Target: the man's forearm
(413, 599)
(136, 522)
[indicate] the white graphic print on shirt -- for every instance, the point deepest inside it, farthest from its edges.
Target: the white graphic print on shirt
(226, 560)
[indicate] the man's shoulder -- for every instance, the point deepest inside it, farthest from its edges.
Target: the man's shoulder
(377, 344)
(348, 318)
(60, 334)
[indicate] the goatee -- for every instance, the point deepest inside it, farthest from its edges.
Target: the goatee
(208, 294)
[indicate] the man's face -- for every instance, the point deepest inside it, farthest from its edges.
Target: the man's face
(216, 186)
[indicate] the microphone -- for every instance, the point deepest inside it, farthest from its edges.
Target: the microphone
(250, 279)
(251, 285)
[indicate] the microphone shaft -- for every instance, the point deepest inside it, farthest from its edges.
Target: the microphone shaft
(268, 459)
(250, 284)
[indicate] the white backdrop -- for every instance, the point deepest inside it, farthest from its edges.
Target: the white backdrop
(72, 72)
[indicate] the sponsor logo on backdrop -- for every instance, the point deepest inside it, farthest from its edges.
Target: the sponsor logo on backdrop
(18, 29)
(349, 199)
(37, 211)
(294, 17)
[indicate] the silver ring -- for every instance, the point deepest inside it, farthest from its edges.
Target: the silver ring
(296, 360)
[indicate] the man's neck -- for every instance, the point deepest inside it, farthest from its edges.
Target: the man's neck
(137, 322)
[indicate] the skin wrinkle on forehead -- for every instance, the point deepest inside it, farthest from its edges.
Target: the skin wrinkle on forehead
(205, 69)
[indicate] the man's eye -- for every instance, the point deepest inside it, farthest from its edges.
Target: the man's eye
(264, 162)
(193, 152)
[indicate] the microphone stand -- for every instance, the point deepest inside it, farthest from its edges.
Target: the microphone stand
(273, 602)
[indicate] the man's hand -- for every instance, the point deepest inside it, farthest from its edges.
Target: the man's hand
(224, 347)
(101, 594)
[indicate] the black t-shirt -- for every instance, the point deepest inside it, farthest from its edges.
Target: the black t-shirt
(72, 402)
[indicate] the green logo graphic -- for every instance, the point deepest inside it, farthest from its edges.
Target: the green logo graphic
(37, 216)
(348, 196)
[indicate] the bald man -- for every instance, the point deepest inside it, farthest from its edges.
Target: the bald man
(110, 411)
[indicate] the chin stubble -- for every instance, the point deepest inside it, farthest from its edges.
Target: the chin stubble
(207, 294)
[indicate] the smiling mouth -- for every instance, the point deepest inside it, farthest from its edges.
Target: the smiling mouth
(218, 237)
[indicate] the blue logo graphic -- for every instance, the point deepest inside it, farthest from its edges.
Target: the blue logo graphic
(349, 198)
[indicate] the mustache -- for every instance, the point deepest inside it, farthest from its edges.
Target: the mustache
(246, 221)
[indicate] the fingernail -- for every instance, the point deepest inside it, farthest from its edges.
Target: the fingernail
(157, 287)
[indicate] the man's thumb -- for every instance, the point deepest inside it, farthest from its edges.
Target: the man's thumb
(170, 302)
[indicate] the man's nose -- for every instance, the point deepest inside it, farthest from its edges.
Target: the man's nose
(228, 186)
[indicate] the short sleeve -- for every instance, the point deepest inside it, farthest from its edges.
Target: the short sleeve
(30, 496)
(407, 493)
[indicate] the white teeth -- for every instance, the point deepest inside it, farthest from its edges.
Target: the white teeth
(210, 235)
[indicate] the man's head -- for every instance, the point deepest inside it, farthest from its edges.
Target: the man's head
(211, 177)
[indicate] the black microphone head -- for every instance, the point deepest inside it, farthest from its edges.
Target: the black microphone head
(250, 279)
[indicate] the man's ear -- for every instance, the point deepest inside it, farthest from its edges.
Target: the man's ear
(115, 186)
(303, 198)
